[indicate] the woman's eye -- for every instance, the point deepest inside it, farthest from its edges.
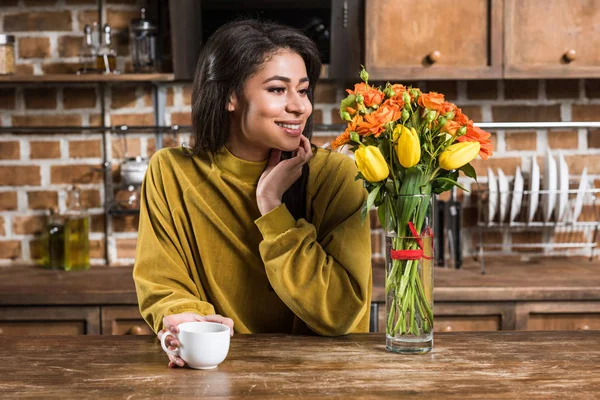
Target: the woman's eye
(303, 92)
(277, 90)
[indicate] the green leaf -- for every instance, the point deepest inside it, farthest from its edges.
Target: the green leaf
(469, 171)
(382, 214)
(370, 200)
(450, 182)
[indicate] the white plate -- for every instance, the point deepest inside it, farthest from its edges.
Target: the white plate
(517, 199)
(493, 196)
(503, 189)
(580, 195)
(563, 188)
(549, 184)
(534, 187)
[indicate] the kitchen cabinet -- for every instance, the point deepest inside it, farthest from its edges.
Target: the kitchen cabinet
(552, 39)
(433, 39)
(545, 316)
(42, 320)
(537, 295)
(123, 320)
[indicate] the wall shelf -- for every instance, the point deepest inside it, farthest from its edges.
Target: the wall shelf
(90, 78)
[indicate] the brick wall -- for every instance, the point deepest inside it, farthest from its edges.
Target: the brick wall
(37, 169)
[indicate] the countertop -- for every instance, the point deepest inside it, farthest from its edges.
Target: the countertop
(505, 280)
(462, 365)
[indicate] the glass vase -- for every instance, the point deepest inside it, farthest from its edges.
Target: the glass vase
(409, 275)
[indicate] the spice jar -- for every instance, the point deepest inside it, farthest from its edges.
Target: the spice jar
(7, 54)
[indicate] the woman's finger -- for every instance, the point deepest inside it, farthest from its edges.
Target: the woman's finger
(175, 361)
(221, 320)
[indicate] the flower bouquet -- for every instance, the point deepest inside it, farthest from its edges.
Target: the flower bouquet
(408, 146)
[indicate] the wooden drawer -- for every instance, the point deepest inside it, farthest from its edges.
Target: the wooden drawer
(454, 317)
(433, 39)
(550, 316)
(123, 320)
(467, 323)
(541, 36)
(19, 321)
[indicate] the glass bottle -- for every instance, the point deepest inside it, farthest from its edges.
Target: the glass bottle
(77, 235)
(143, 40)
(106, 59)
(55, 241)
(87, 52)
(7, 54)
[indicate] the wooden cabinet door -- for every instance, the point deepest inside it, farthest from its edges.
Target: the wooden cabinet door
(552, 316)
(123, 320)
(20, 321)
(433, 39)
(552, 39)
(457, 317)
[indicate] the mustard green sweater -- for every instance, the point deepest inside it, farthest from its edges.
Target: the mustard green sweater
(203, 246)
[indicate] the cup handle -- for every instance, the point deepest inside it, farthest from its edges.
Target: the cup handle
(164, 345)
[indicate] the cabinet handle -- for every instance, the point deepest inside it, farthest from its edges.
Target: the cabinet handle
(434, 56)
(135, 330)
(1, 331)
(448, 329)
(584, 328)
(570, 55)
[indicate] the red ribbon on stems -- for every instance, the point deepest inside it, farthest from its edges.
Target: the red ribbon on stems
(416, 254)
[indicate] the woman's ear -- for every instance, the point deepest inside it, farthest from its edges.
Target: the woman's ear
(232, 103)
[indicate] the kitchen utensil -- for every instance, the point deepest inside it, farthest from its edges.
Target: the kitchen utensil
(493, 195)
(503, 189)
(563, 187)
(517, 198)
(534, 187)
(143, 40)
(580, 195)
(133, 170)
(549, 185)
(203, 345)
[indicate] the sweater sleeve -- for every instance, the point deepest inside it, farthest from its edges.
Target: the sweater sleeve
(162, 278)
(324, 278)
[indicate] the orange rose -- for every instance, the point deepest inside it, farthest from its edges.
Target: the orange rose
(398, 92)
(446, 107)
(459, 117)
(391, 110)
(371, 124)
(451, 127)
(431, 100)
(372, 96)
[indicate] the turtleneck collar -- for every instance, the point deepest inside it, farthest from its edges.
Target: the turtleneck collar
(247, 171)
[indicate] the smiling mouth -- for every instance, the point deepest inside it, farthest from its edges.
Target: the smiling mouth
(289, 126)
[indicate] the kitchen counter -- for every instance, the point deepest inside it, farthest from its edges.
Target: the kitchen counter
(462, 366)
(505, 280)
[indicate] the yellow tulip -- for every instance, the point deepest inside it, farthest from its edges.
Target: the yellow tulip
(458, 155)
(371, 163)
(408, 146)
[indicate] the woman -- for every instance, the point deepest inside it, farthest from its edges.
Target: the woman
(253, 227)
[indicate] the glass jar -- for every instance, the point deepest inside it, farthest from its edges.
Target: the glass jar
(143, 39)
(7, 54)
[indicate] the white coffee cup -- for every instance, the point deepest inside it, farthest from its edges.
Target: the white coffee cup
(202, 345)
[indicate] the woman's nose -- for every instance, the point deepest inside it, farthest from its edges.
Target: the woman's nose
(296, 104)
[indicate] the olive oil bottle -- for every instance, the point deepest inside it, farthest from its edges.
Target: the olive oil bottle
(55, 241)
(77, 232)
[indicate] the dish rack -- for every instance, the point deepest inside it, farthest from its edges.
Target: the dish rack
(533, 234)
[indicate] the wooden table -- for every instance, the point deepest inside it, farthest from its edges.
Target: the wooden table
(462, 366)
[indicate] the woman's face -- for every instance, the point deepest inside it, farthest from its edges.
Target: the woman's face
(272, 110)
